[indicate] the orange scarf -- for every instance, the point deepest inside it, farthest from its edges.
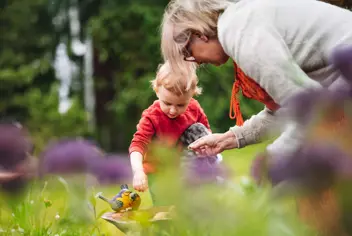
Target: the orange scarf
(250, 89)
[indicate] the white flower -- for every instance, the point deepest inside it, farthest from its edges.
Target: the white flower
(13, 230)
(20, 230)
(32, 202)
(57, 216)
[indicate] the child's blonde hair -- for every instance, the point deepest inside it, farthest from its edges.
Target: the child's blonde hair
(180, 20)
(178, 82)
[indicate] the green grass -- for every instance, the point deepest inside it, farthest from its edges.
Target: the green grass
(239, 160)
(37, 212)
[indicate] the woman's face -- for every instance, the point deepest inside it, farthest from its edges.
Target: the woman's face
(202, 49)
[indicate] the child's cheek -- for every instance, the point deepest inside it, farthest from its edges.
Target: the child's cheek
(164, 108)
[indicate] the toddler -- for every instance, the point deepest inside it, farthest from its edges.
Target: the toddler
(167, 118)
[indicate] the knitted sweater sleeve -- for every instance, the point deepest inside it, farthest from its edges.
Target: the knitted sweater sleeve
(143, 136)
(262, 54)
(202, 117)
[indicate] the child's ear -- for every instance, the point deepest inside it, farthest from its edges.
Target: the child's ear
(156, 91)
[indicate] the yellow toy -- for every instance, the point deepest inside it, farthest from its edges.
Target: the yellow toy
(125, 200)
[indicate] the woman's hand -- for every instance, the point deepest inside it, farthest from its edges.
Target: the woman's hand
(213, 144)
(140, 181)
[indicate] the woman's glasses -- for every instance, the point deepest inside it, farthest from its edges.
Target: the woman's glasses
(187, 55)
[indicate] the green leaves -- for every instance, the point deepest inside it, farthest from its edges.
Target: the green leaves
(28, 87)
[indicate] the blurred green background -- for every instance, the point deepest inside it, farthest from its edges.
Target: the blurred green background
(82, 68)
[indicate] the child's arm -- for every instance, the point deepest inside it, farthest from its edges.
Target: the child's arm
(136, 162)
(142, 137)
(140, 179)
(138, 147)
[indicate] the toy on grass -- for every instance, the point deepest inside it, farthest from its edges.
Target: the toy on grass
(128, 218)
(125, 200)
(138, 221)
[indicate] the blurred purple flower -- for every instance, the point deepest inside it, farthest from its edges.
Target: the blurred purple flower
(112, 169)
(259, 168)
(301, 106)
(342, 59)
(69, 156)
(14, 150)
(13, 146)
(199, 169)
(305, 106)
(203, 170)
(314, 167)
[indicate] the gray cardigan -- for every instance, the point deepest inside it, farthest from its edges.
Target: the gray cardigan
(284, 45)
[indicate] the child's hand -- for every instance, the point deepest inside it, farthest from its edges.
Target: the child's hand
(140, 181)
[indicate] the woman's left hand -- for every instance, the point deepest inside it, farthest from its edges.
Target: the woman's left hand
(213, 144)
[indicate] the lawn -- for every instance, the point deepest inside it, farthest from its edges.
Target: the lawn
(58, 209)
(238, 160)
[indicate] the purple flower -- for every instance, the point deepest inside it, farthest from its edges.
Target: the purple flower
(112, 169)
(14, 149)
(342, 59)
(69, 156)
(199, 169)
(14, 146)
(308, 105)
(203, 170)
(301, 106)
(305, 106)
(314, 167)
(258, 168)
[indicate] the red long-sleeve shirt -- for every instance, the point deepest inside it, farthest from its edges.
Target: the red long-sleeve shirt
(155, 124)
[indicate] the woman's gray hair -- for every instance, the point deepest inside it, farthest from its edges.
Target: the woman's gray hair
(180, 20)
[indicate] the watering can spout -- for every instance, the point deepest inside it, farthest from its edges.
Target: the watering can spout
(104, 198)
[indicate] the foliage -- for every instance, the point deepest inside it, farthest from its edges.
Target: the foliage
(24, 53)
(217, 87)
(28, 90)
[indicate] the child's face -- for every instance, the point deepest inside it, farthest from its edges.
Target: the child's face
(171, 104)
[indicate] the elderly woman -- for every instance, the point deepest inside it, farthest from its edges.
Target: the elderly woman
(278, 47)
